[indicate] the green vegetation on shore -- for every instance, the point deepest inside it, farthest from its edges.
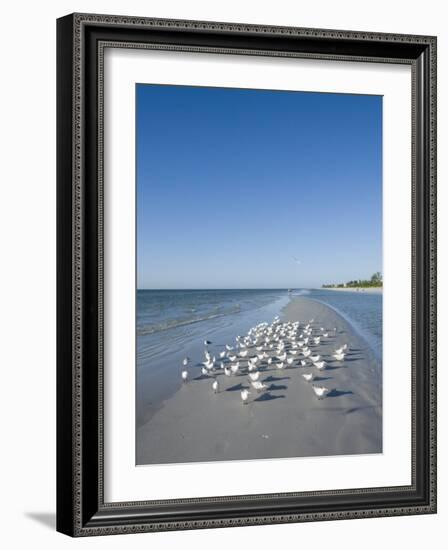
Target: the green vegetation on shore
(375, 281)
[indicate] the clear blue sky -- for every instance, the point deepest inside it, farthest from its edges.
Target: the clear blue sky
(257, 189)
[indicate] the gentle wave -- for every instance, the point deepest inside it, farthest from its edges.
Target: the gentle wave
(174, 323)
(302, 292)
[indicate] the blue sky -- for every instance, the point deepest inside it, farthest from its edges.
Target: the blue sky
(256, 189)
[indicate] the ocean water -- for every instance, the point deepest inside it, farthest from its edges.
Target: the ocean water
(363, 310)
(172, 324)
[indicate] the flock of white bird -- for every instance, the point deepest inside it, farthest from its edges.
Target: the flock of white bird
(278, 345)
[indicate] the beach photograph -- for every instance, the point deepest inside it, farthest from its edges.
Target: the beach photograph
(259, 283)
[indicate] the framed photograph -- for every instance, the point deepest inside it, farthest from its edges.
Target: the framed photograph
(246, 274)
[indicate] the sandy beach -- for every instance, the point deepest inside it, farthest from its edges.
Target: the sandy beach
(286, 420)
(368, 290)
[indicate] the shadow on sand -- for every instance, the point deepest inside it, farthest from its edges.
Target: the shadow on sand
(276, 378)
(338, 393)
(268, 397)
(274, 387)
(237, 387)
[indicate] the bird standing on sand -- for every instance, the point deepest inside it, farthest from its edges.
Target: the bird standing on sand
(308, 377)
(320, 391)
(254, 376)
(184, 375)
(320, 365)
(234, 368)
(245, 396)
(339, 356)
(259, 386)
(251, 366)
(185, 361)
(215, 386)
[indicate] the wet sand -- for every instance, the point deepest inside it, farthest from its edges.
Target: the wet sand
(287, 420)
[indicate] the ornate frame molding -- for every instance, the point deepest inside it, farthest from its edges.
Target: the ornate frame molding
(82, 511)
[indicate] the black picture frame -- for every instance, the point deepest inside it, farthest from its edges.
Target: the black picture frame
(81, 510)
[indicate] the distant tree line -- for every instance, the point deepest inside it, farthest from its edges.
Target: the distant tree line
(376, 280)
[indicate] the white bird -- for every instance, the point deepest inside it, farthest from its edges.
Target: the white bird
(222, 354)
(281, 357)
(244, 353)
(317, 340)
(184, 375)
(234, 368)
(325, 334)
(293, 352)
(185, 361)
(254, 376)
(232, 357)
(320, 365)
(259, 386)
(280, 365)
(215, 386)
(303, 363)
(204, 371)
(290, 360)
(339, 356)
(314, 358)
(340, 350)
(308, 377)
(269, 360)
(320, 391)
(245, 396)
(227, 371)
(229, 348)
(306, 353)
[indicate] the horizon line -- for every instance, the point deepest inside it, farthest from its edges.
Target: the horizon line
(239, 288)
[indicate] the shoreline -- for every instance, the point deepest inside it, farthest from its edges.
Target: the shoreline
(285, 421)
(155, 386)
(368, 290)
